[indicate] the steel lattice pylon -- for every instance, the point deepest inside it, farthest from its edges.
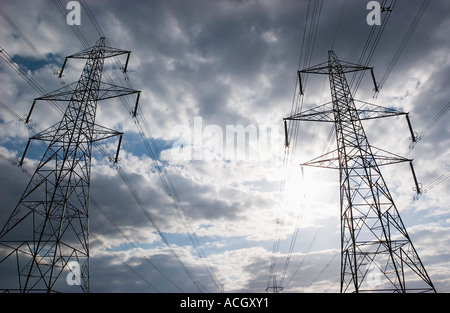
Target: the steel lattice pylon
(376, 251)
(49, 228)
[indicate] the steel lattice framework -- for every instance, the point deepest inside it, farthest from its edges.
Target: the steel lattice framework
(376, 251)
(49, 228)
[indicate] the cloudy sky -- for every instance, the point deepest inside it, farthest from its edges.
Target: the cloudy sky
(207, 66)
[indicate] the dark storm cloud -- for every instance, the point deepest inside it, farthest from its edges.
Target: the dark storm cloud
(13, 182)
(191, 48)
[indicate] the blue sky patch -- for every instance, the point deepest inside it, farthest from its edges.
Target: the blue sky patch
(34, 64)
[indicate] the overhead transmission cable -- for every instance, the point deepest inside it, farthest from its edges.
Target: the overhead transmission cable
(338, 25)
(13, 162)
(367, 53)
(434, 121)
(75, 29)
(24, 74)
(154, 152)
(153, 149)
(28, 79)
(307, 47)
(149, 217)
(25, 171)
(405, 40)
(129, 267)
(365, 58)
(53, 68)
(306, 64)
(92, 18)
(131, 242)
(427, 188)
(324, 269)
(420, 136)
(162, 172)
(303, 259)
(363, 55)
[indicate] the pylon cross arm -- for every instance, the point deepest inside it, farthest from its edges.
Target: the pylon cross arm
(105, 91)
(369, 111)
(379, 157)
(324, 68)
(325, 112)
(98, 48)
(321, 113)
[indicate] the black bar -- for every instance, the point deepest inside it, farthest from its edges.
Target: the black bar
(300, 82)
(413, 137)
(286, 141)
(118, 149)
(126, 63)
(374, 81)
(62, 69)
(136, 107)
(29, 114)
(415, 178)
(24, 153)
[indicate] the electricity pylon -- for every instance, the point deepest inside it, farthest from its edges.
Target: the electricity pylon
(48, 231)
(376, 251)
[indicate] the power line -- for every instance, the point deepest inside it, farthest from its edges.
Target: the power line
(338, 25)
(312, 20)
(362, 200)
(24, 170)
(158, 230)
(92, 18)
(12, 112)
(53, 68)
(426, 189)
(435, 120)
(303, 259)
(59, 231)
(75, 29)
(405, 40)
(131, 242)
(129, 267)
(437, 181)
(143, 208)
(367, 54)
(28, 79)
(324, 269)
(162, 173)
(294, 129)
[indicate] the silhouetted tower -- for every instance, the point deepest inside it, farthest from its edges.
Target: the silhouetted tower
(48, 231)
(376, 251)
